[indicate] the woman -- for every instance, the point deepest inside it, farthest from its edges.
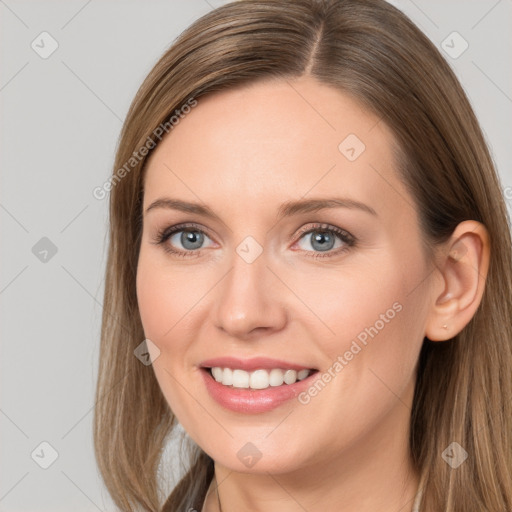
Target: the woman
(309, 243)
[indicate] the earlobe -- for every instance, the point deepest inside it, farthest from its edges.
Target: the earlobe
(462, 266)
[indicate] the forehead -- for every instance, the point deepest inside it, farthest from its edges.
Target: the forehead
(276, 140)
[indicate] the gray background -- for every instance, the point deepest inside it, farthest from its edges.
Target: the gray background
(60, 121)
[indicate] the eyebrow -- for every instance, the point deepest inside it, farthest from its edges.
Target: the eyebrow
(287, 209)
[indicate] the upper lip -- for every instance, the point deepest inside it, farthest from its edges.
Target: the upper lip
(255, 363)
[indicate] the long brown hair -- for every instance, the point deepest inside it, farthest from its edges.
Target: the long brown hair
(371, 51)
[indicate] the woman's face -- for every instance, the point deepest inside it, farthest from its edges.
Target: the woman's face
(259, 275)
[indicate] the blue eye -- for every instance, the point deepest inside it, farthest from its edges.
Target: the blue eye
(189, 236)
(323, 240)
(190, 240)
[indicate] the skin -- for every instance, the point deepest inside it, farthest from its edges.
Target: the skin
(244, 152)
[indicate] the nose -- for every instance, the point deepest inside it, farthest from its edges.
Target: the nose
(250, 300)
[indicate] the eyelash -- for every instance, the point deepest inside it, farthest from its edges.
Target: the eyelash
(163, 235)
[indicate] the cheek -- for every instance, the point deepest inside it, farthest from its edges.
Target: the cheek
(347, 304)
(162, 307)
(152, 299)
(372, 321)
(160, 298)
(171, 305)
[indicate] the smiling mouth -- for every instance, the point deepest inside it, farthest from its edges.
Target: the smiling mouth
(257, 379)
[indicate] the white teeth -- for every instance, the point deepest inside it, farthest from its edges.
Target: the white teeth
(227, 376)
(217, 374)
(276, 377)
(290, 376)
(302, 374)
(240, 379)
(258, 379)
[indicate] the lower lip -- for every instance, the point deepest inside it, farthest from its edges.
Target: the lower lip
(252, 401)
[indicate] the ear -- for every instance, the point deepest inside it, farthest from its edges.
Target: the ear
(462, 265)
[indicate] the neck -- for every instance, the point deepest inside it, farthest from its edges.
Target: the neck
(277, 493)
(374, 474)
